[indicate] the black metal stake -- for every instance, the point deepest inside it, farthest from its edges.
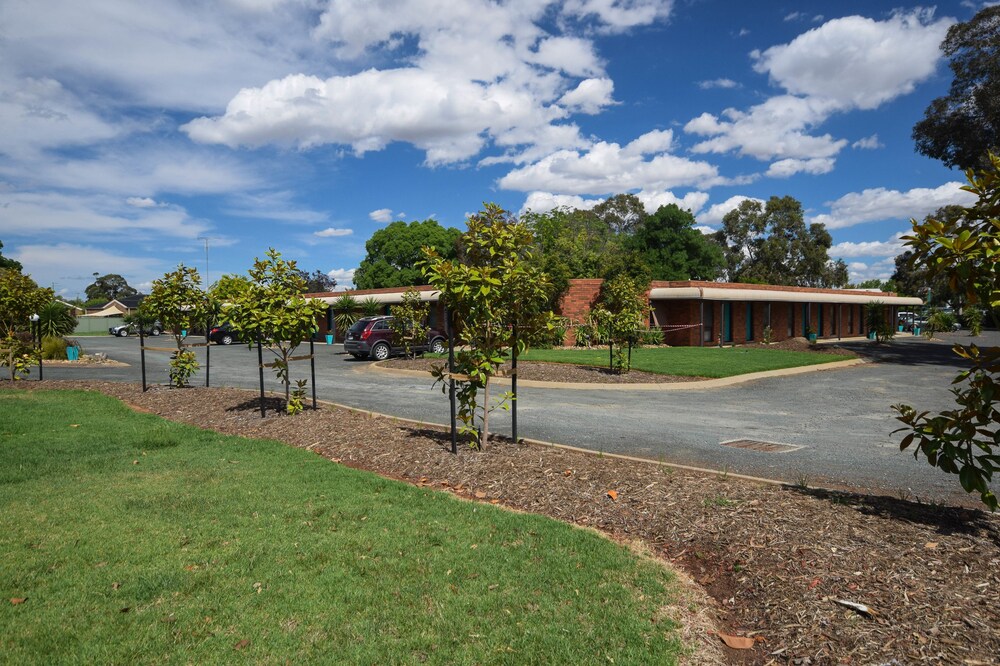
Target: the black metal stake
(142, 357)
(451, 380)
(208, 354)
(39, 325)
(312, 370)
(513, 386)
(260, 367)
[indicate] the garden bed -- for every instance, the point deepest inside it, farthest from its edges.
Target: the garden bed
(777, 560)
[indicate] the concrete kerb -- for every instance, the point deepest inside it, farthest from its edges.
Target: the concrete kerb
(666, 386)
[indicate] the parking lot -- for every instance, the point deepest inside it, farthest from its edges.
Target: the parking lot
(837, 424)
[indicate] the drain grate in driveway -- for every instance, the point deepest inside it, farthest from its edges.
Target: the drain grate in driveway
(757, 445)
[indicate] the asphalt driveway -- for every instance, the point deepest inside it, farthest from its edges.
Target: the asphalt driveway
(838, 423)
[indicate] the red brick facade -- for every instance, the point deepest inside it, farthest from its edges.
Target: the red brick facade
(692, 322)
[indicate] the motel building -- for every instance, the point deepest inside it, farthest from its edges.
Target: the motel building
(694, 313)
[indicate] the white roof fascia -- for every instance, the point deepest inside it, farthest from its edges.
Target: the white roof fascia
(723, 294)
(387, 297)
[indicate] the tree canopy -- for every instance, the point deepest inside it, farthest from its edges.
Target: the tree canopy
(621, 213)
(20, 298)
(964, 249)
(771, 244)
(8, 263)
(317, 282)
(673, 249)
(962, 126)
(570, 244)
(394, 251)
(109, 287)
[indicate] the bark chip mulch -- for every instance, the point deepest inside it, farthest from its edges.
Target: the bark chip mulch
(812, 576)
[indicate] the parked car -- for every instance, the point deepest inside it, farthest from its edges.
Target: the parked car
(372, 337)
(125, 330)
(223, 335)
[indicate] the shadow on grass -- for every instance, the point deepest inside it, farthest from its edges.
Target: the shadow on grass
(945, 520)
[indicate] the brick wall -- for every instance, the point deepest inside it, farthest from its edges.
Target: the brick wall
(576, 303)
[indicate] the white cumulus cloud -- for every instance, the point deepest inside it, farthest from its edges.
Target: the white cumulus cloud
(381, 215)
(868, 143)
(343, 276)
(848, 249)
(716, 212)
(845, 64)
(876, 204)
(608, 168)
(717, 83)
(332, 232)
(789, 167)
(857, 61)
(590, 96)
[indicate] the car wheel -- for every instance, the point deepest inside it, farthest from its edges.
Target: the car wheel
(226, 339)
(155, 332)
(438, 346)
(123, 333)
(380, 351)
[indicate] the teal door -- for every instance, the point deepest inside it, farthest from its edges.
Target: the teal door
(819, 324)
(727, 322)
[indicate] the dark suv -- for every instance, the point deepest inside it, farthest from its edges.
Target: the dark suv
(371, 336)
(223, 335)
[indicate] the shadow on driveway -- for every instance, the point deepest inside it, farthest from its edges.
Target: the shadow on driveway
(912, 350)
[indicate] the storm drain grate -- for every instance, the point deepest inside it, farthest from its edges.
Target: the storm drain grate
(757, 445)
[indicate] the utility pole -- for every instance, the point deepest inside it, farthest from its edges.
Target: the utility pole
(208, 282)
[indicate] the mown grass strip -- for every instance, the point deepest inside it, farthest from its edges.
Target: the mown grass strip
(135, 539)
(691, 361)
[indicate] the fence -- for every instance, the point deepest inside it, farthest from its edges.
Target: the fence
(85, 325)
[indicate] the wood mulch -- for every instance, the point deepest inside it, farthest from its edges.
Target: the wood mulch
(782, 565)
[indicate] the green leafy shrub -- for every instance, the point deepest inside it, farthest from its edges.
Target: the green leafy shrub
(19, 354)
(54, 348)
(939, 321)
(974, 320)
(651, 336)
(182, 367)
(296, 401)
(767, 336)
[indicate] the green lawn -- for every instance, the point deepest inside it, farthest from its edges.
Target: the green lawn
(690, 361)
(138, 540)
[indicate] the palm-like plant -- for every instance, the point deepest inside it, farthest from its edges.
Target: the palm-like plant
(371, 306)
(56, 320)
(346, 311)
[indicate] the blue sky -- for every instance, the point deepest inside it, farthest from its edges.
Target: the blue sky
(132, 131)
